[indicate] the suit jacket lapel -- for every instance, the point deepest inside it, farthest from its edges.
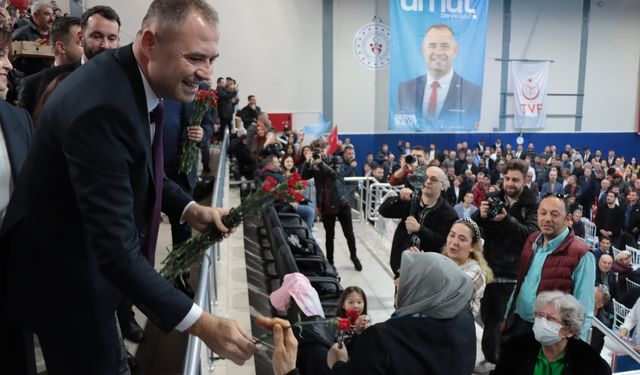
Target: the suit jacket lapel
(454, 95)
(420, 83)
(17, 139)
(129, 64)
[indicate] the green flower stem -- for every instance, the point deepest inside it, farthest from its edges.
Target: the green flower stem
(180, 259)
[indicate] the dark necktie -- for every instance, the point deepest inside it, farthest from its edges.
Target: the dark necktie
(156, 117)
(433, 100)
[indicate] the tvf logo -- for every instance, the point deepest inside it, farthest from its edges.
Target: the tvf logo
(446, 6)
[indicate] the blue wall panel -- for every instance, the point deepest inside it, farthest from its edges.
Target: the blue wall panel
(627, 144)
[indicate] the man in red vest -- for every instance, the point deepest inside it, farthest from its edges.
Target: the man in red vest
(552, 259)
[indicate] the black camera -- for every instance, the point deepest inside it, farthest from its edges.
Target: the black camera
(317, 155)
(495, 207)
(409, 159)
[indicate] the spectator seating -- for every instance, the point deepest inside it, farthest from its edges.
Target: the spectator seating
(590, 236)
(306, 259)
(620, 311)
(635, 255)
(632, 284)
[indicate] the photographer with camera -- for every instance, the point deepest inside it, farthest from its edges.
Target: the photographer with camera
(418, 156)
(507, 218)
(425, 215)
(331, 197)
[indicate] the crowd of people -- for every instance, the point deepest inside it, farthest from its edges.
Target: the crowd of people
(528, 208)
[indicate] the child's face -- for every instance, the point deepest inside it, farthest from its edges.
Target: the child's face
(354, 302)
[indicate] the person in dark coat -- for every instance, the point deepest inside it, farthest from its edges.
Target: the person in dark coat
(16, 131)
(425, 215)
(92, 187)
(555, 342)
(431, 332)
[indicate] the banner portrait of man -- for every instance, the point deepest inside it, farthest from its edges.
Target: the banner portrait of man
(441, 90)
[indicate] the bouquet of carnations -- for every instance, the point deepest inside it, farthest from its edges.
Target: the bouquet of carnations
(182, 256)
(204, 100)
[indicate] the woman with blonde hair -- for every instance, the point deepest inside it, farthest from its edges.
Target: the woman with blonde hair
(464, 247)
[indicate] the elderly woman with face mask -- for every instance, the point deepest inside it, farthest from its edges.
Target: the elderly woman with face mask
(431, 332)
(554, 347)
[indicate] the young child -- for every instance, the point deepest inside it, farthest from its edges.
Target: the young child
(353, 298)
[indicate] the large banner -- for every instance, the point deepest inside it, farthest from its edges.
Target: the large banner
(529, 93)
(437, 64)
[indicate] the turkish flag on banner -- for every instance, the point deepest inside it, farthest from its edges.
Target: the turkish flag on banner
(332, 141)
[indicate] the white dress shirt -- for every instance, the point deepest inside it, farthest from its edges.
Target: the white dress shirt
(152, 103)
(6, 178)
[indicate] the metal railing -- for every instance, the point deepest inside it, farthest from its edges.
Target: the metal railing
(622, 344)
(370, 195)
(206, 294)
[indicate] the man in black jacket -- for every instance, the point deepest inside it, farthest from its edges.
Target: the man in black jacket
(96, 215)
(632, 215)
(250, 112)
(425, 215)
(332, 200)
(504, 236)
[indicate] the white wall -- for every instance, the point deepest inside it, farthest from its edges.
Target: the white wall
(274, 50)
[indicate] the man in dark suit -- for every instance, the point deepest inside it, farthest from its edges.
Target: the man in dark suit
(90, 190)
(99, 31)
(440, 99)
(68, 52)
(16, 130)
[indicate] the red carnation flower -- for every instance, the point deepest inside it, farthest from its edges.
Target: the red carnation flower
(298, 197)
(353, 316)
(271, 181)
(344, 324)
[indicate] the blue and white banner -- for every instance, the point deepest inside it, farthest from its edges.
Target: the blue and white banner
(529, 93)
(437, 64)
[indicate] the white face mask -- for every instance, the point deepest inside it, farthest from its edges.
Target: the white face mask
(546, 332)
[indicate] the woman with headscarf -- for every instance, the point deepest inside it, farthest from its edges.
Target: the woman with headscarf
(431, 332)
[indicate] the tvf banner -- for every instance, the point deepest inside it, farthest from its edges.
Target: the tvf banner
(437, 64)
(529, 92)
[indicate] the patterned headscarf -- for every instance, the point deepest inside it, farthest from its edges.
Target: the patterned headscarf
(432, 284)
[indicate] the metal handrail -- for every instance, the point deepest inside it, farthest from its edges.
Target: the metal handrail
(207, 289)
(626, 348)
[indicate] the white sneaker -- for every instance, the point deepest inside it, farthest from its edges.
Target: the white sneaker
(484, 367)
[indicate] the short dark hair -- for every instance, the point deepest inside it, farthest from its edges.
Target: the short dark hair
(60, 30)
(517, 165)
(102, 10)
(172, 13)
(441, 26)
(565, 202)
(348, 147)
(250, 96)
(418, 148)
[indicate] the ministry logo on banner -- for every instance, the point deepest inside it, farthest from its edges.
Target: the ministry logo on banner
(437, 64)
(529, 93)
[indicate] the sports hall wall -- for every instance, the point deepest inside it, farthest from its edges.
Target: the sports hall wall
(274, 49)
